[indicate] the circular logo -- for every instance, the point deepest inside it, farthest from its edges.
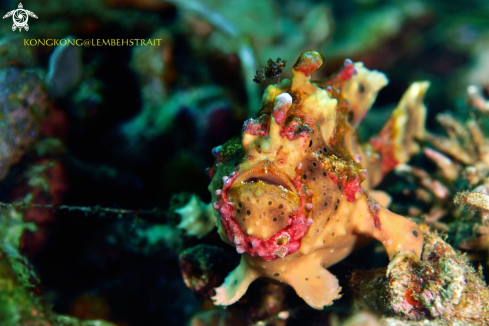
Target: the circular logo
(20, 17)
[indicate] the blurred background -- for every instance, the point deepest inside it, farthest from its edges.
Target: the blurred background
(132, 127)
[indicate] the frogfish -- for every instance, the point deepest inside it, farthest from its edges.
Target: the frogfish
(294, 195)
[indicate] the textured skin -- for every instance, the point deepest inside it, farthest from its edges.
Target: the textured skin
(289, 198)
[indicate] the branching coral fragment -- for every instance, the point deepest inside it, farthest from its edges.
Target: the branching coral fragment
(473, 200)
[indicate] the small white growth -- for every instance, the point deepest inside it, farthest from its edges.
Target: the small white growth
(282, 99)
(198, 218)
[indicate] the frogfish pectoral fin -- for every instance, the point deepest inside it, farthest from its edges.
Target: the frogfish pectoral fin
(317, 286)
(235, 284)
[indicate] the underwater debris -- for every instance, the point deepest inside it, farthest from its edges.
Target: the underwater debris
(291, 202)
(441, 286)
(273, 70)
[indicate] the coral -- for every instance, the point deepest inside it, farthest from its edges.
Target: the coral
(132, 125)
(477, 100)
(465, 143)
(461, 178)
(24, 105)
(477, 201)
(202, 268)
(21, 301)
(197, 218)
(44, 184)
(289, 198)
(442, 285)
(43, 180)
